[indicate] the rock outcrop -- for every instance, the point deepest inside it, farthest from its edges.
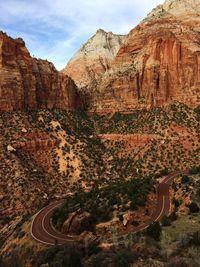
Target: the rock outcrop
(136, 140)
(77, 223)
(93, 59)
(30, 83)
(158, 63)
(35, 145)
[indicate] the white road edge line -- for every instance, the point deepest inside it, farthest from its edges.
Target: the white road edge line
(43, 226)
(65, 239)
(163, 206)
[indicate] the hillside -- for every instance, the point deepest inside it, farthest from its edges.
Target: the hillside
(100, 162)
(59, 152)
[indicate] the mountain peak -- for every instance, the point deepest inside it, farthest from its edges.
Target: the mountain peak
(182, 7)
(94, 57)
(178, 8)
(100, 31)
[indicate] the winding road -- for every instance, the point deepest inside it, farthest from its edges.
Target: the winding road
(43, 231)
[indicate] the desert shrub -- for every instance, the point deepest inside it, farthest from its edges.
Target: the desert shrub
(124, 258)
(185, 179)
(114, 258)
(165, 221)
(62, 256)
(195, 170)
(176, 202)
(195, 239)
(177, 262)
(154, 230)
(194, 208)
(173, 216)
(134, 190)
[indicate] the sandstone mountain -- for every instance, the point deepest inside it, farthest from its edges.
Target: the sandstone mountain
(30, 83)
(107, 167)
(185, 9)
(93, 59)
(158, 63)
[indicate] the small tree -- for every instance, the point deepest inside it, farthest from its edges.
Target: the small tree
(194, 208)
(185, 179)
(165, 221)
(195, 240)
(154, 230)
(173, 216)
(124, 258)
(175, 202)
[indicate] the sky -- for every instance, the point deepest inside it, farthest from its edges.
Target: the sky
(56, 29)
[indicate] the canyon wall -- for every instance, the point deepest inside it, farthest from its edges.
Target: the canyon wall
(158, 63)
(30, 83)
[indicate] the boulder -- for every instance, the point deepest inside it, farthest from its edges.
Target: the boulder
(77, 222)
(10, 148)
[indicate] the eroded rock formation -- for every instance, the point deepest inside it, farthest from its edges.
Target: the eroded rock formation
(158, 63)
(93, 59)
(30, 83)
(136, 140)
(77, 223)
(35, 145)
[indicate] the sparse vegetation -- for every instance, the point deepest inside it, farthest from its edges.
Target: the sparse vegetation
(154, 230)
(108, 177)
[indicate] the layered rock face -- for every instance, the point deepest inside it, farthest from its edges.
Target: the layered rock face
(136, 140)
(30, 83)
(158, 63)
(93, 59)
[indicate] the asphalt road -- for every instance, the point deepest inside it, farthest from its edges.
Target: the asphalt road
(43, 231)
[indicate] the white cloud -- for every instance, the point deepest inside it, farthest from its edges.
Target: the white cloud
(62, 26)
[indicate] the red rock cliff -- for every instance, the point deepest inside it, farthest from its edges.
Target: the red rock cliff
(158, 63)
(30, 83)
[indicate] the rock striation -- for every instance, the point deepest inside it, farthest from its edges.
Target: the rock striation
(93, 59)
(30, 83)
(136, 140)
(158, 63)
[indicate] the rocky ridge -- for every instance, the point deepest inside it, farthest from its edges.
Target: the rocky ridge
(179, 8)
(30, 83)
(93, 59)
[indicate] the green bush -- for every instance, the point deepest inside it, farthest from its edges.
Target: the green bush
(165, 221)
(154, 230)
(185, 179)
(176, 202)
(194, 170)
(173, 216)
(124, 258)
(194, 208)
(62, 256)
(195, 240)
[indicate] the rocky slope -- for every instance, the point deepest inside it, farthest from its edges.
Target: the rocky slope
(60, 152)
(30, 83)
(93, 59)
(158, 63)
